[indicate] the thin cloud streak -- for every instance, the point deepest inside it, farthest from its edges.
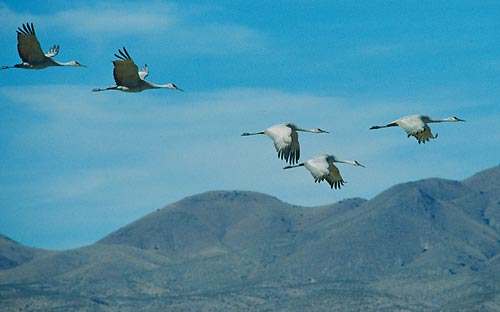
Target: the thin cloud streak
(106, 21)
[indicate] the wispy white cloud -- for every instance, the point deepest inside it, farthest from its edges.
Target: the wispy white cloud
(155, 25)
(128, 18)
(101, 19)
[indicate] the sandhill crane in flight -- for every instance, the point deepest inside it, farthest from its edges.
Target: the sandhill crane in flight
(129, 79)
(31, 53)
(286, 140)
(323, 168)
(416, 125)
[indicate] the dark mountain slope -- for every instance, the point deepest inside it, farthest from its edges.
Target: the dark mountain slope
(13, 254)
(430, 245)
(210, 223)
(411, 226)
(483, 203)
(250, 224)
(485, 181)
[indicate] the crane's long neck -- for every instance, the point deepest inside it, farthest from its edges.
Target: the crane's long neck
(350, 162)
(438, 120)
(163, 86)
(306, 130)
(313, 130)
(156, 86)
(57, 63)
(51, 62)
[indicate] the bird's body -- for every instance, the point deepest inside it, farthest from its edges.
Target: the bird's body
(323, 168)
(417, 126)
(31, 53)
(286, 140)
(129, 79)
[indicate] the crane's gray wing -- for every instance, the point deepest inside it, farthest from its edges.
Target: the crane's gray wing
(321, 170)
(290, 152)
(28, 46)
(125, 71)
(334, 178)
(424, 135)
(415, 126)
(286, 142)
(144, 72)
(53, 51)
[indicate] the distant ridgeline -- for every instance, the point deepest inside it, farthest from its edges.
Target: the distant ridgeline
(430, 245)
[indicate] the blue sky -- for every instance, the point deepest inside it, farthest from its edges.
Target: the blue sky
(77, 165)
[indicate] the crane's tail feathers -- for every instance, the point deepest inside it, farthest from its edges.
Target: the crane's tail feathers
(6, 67)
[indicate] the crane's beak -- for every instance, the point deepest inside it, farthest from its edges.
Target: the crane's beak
(177, 88)
(357, 163)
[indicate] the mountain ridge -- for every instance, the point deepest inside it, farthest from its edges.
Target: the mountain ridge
(427, 245)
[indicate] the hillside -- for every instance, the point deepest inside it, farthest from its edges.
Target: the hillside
(429, 245)
(13, 254)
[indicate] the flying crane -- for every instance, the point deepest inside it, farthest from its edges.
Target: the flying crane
(323, 168)
(129, 79)
(31, 53)
(417, 126)
(286, 140)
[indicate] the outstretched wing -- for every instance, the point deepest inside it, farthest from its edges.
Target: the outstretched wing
(334, 178)
(322, 168)
(28, 46)
(415, 126)
(53, 51)
(286, 142)
(144, 72)
(318, 167)
(125, 71)
(423, 136)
